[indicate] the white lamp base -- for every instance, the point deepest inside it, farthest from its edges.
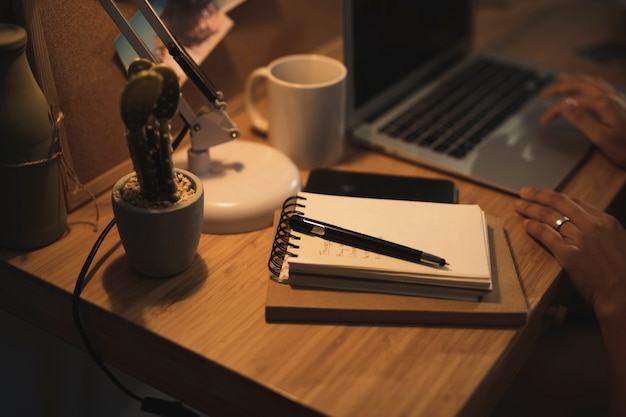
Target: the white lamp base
(245, 184)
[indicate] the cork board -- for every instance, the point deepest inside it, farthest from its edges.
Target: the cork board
(88, 77)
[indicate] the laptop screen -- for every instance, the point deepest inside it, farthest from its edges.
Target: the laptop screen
(396, 45)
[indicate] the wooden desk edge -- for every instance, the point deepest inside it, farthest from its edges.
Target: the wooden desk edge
(203, 390)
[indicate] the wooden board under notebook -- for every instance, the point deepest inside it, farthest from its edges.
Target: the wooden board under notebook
(505, 305)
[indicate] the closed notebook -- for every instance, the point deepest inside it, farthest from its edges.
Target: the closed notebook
(455, 232)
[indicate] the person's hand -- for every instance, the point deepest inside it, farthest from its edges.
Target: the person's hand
(590, 246)
(594, 107)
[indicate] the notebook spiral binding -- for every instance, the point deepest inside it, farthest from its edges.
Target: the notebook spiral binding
(282, 245)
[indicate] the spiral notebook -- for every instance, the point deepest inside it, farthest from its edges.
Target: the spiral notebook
(504, 305)
(456, 232)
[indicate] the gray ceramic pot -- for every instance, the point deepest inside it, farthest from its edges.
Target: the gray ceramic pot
(160, 242)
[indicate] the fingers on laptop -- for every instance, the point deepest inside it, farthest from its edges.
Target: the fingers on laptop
(602, 119)
(577, 85)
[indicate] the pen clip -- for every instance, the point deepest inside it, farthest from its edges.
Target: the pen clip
(316, 228)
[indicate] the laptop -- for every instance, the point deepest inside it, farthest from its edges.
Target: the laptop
(417, 90)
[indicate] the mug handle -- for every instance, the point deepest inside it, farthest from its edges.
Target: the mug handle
(259, 122)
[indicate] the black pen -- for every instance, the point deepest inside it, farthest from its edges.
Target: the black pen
(361, 241)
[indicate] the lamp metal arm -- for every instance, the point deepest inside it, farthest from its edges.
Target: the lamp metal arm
(211, 125)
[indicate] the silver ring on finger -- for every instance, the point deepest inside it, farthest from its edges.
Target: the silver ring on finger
(560, 222)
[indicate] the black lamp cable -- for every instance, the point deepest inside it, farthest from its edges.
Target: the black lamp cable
(160, 407)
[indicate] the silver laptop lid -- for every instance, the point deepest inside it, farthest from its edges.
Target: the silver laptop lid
(393, 47)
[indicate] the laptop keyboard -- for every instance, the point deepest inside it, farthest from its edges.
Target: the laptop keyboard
(456, 116)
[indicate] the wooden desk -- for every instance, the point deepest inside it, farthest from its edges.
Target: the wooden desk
(202, 336)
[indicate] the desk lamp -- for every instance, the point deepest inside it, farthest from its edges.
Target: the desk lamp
(244, 182)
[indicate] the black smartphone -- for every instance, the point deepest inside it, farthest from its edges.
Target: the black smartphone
(396, 187)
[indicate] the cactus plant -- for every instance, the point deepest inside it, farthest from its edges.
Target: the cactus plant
(149, 101)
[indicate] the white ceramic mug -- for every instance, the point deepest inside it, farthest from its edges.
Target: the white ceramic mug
(306, 97)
